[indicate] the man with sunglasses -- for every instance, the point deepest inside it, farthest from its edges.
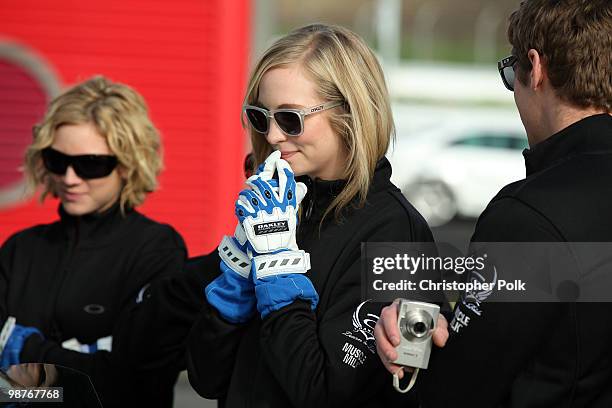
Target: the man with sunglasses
(540, 354)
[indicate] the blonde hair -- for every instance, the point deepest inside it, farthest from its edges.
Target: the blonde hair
(119, 114)
(343, 68)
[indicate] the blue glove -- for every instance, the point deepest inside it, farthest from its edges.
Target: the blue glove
(277, 291)
(268, 213)
(268, 210)
(232, 293)
(12, 339)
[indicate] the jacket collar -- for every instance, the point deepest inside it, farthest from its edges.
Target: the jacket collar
(321, 193)
(589, 135)
(93, 226)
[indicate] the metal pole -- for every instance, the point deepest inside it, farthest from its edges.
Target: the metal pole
(389, 30)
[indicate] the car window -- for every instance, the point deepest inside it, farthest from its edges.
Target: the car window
(493, 140)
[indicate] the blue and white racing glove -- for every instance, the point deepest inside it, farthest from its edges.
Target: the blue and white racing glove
(12, 339)
(269, 216)
(232, 293)
(268, 210)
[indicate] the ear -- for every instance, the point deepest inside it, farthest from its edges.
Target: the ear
(122, 171)
(538, 69)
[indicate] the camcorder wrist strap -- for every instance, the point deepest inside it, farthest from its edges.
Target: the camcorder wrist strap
(396, 381)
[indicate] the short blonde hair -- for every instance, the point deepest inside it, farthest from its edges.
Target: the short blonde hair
(119, 114)
(344, 69)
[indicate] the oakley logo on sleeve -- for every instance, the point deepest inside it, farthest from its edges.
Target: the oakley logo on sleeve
(271, 227)
(94, 309)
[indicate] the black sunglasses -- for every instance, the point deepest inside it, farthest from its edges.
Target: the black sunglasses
(289, 121)
(86, 166)
(506, 70)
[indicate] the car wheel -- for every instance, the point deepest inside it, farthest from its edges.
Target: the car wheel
(434, 200)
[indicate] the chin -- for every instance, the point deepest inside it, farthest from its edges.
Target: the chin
(296, 166)
(297, 169)
(76, 209)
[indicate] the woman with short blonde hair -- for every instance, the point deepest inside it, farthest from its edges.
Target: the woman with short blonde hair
(70, 288)
(121, 115)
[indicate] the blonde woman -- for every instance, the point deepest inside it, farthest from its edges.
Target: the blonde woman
(66, 287)
(284, 325)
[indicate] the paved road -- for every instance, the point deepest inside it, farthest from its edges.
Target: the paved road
(186, 397)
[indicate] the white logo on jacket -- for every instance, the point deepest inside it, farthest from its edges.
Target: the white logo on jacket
(354, 357)
(362, 334)
(471, 301)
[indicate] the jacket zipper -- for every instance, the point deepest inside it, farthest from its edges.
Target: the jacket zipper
(54, 330)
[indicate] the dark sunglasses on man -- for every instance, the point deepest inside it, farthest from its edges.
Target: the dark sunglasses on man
(289, 121)
(86, 166)
(506, 70)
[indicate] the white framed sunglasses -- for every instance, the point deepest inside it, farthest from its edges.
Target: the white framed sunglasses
(289, 121)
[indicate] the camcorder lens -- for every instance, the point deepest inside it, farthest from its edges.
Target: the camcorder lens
(416, 324)
(258, 120)
(420, 328)
(289, 122)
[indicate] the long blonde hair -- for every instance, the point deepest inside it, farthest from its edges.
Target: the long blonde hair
(344, 69)
(119, 114)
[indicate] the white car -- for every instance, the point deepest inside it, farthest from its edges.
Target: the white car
(456, 168)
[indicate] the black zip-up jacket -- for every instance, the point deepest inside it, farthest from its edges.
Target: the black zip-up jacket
(297, 357)
(78, 278)
(538, 354)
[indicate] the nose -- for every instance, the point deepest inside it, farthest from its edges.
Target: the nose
(71, 178)
(275, 135)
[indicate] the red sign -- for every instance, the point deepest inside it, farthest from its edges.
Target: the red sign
(188, 59)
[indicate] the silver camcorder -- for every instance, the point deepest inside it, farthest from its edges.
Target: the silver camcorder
(416, 322)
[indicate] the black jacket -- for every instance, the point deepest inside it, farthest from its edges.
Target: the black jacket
(538, 354)
(297, 357)
(79, 278)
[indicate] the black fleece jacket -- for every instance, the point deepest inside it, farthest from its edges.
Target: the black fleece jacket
(79, 278)
(538, 354)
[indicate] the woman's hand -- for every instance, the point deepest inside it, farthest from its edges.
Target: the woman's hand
(268, 213)
(387, 337)
(268, 210)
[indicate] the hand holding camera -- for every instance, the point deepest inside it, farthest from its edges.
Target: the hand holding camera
(389, 337)
(416, 322)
